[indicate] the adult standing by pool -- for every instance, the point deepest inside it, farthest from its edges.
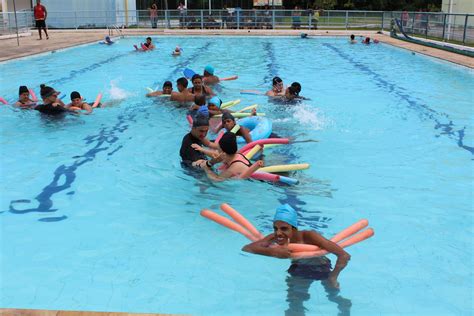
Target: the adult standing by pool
(189, 155)
(40, 17)
(153, 15)
(182, 14)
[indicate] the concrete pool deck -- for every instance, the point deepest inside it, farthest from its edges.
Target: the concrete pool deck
(59, 39)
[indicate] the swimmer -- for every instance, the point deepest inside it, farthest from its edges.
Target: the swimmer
(148, 45)
(177, 51)
(183, 95)
(107, 41)
(304, 35)
(285, 226)
(77, 104)
(208, 77)
(228, 122)
(293, 92)
(237, 164)
(199, 87)
(214, 106)
(167, 90)
(197, 136)
(278, 88)
(24, 100)
(199, 105)
(352, 39)
(366, 41)
(52, 105)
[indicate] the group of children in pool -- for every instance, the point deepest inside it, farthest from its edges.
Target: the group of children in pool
(199, 152)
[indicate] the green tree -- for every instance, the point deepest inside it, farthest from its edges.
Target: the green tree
(325, 4)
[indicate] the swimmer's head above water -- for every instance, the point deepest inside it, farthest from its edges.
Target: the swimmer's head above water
(285, 224)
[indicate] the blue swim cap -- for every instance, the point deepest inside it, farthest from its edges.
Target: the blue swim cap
(287, 214)
(203, 110)
(216, 101)
(209, 69)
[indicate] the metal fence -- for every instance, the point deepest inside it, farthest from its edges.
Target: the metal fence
(454, 27)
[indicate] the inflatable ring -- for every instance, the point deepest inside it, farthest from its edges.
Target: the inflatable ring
(260, 127)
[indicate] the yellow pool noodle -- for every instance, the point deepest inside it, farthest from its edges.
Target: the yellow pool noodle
(229, 104)
(247, 108)
(253, 151)
(285, 168)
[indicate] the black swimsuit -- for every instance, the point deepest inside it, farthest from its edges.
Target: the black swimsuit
(246, 162)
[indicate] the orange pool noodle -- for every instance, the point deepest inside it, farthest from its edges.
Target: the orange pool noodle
(227, 223)
(241, 220)
(350, 230)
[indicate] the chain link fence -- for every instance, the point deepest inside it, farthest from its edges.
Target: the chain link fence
(457, 28)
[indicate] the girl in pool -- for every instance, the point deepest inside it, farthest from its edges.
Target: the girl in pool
(199, 88)
(238, 166)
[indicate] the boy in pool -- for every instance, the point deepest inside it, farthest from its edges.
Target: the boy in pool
(148, 45)
(228, 122)
(167, 90)
(277, 88)
(77, 104)
(177, 51)
(208, 77)
(24, 100)
(285, 227)
(184, 95)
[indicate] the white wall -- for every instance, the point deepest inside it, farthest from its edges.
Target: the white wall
(458, 6)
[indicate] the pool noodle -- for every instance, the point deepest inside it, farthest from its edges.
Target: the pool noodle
(264, 141)
(265, 176)
(235, 129)
(343, 234)
(150, 89)
(240, 115)
(285, 168)
(250, 107)
(97, 100)
(62, 96)
(236, 216)
(190, 119)
(33, 95)
(249, 155)
(227, 223)
(229, 104)
(346, 243)
(252, 92)
(288, 180)
(143, 46)
(229, 78)
(3, 100)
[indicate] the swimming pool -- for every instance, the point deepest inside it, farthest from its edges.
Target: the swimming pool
(97, 213)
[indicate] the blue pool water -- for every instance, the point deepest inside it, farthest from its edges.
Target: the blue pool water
(96, 212)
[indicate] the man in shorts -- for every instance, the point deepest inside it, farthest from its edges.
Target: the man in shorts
(40, 17)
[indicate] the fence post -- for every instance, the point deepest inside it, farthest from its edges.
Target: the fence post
(465, 28)
(273, 19)
(202, 20)
(166, 19)
(426, 24)
(75, 19)
(310, 18)
(238, 19)
(413, 24)
(347, 18)
(444, 26)
(383, 15)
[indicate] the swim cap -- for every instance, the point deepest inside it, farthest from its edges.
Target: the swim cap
(228, 143)
(209, 69)
(216, 101)
(227, 116)
(23, 89)
(47, 91)
(75, 95)
(287, 214)
(304, 35)
(203, 110)
(200, 120)
(107, 38)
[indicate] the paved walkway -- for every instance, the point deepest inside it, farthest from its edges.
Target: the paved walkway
(37, 312)
(29, 45)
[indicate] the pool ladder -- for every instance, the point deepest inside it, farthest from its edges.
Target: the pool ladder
(116, 28)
